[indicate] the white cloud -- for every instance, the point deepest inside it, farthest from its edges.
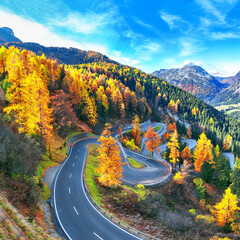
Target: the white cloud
(224, 69)
(170, 19)
(30, 31)
(205, 23)
(147, 48)
(221, 69)
(211, 9)
(85, 23)
(148, 26)
(226, 1)
(198, 63)
(188, 48)
(152, 46)
(170, 61)
(117, 56)
(224, 35)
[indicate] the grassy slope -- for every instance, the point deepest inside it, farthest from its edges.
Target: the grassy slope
(91, 174)
(157, 128)
(134, 163)
(15, 222)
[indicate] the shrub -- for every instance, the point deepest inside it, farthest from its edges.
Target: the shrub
(200, 188)
(151, 205)
(141, 192)
(174, 220)
(207, 219)
(192, 211)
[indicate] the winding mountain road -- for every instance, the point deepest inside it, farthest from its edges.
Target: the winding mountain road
(77, 216)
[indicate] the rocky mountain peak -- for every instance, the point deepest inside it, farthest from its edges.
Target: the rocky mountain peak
(193, 79)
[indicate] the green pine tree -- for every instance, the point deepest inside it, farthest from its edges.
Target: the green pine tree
(221, 174)
(235, 177)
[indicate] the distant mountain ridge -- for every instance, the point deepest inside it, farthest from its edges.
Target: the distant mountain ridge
(193, 79)
(7, 35)
(70, 56)
(230, 94)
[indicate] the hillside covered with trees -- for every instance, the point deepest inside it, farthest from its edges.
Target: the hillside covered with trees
(42, 101)
(159, 94)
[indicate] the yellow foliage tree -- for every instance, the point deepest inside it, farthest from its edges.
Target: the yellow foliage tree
(189, 132)
(178, 178)
(218, 238)
(141, 192)
(110, 167)
(225, 210)
(28, 94)
(207, 219)
(173, 145)
(217, 150)
(136, 131)
(227, 143)
(195, 111)
(203, 152)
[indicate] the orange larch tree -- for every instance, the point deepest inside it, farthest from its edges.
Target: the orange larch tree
(63, 113)
(195, 111)
(172, 127)
(120, 134)
(136, 131)
(126, 97)
(153, 140)
(173, 105)
(227, 143)
(187, 155)
(225, 210)
(173, 145)
(203, 152)
(110, 167)
(133, 101)
(122, 111)
(44, 111)
(87, 106)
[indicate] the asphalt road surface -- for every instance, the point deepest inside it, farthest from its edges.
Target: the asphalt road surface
(77, 216)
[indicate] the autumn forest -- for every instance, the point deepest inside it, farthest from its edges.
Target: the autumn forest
(43, 102)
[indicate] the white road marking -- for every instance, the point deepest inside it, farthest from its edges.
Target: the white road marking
(78, 150)
(73, 164)
(70, 176)
(76, 156)
(97, 236)
(69, 190)
(75, 210)
(98, 210)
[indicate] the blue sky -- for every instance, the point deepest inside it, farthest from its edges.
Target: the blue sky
(148, 35)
